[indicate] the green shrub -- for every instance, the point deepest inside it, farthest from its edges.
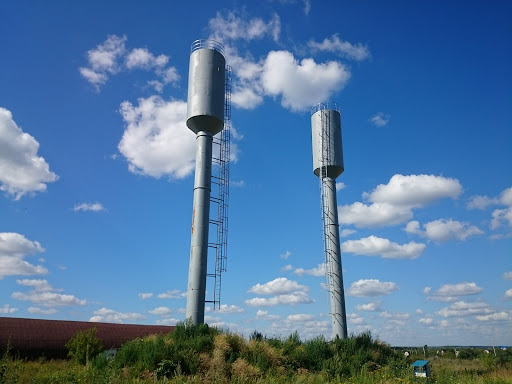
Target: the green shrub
(84, 345)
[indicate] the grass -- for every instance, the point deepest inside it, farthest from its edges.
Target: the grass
(199, 354)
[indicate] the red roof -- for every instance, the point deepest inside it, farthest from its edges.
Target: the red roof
(35, 337)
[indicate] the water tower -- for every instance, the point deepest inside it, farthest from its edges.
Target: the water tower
(328, 165)
(205, 117)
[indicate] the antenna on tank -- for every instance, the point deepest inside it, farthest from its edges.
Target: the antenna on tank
(328, 165)
(206, 111)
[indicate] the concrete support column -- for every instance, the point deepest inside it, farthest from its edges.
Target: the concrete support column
(200, 225)
(334, 269)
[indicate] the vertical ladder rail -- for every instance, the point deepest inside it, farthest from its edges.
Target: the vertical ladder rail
(221, 197)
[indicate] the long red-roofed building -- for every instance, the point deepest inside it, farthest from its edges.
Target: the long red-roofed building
(34, 338)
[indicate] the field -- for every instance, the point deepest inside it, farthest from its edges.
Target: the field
(199, 354)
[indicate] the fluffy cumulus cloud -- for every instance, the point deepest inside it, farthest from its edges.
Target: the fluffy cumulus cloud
(286, 299)
(371, 288)
(161, 311)
(22, 170)
(45, 295)
(369, 307)
(452, 292)
(7, 309)
(227, 309)
(303, 83)
(334, 44)
(145, 295)
(278, 286)
(264, 315)
(503, 216)
(156, 140)
(318, 271)
(380, 119)
(508, 294)
(374, 215)
(112, 56)
(111, 316)
(13, 250)
(376, 246)
(462, 308)
(104, 60)
(169, 294)
(507, 275)
(392, 203)
(93, 207)
(232, 26)
(443, 230)
(415, 190)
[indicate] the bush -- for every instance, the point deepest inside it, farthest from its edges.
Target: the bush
(84, 345)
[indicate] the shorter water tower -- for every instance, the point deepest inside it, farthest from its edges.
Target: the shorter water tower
(328, 165)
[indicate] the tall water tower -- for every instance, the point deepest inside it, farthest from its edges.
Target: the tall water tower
(205, 117)
(328, 165)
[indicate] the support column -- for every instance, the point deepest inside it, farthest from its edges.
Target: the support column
(200, 225)
(334, 269)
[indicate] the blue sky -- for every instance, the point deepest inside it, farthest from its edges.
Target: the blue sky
(96, 164)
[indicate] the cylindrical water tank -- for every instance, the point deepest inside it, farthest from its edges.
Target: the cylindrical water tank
(326, 140)
(206, 89)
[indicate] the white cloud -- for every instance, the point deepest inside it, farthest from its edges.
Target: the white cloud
(507, 275)
(415, 190)
(45, 295)
(170, 321)
(40, 311)
(300, 317)
(497, 316)
(104, 60)
(340, 186)
(426, 320)
(142, 58)
(355, 319)
(278, 286)
(224, 309)
(156, 140)
(145, 295)
(347, 232)
(369, 307)
(461, 309)
(111, 316)
(172, 294)
(287, 299)
(264, 315)
(480, 202)
(286, 255)
(318, 271)
(427, 290)
(376, 246)
(395, 316)
(111, 57)
(374, 215)
(7, 309)
(22, 171)
(392, 203)
(161, 311)
(443, 230)
(13, 249)
(451, 292)
(94, 207)
(358, 52)
(233, 27)
(371, 288)
(301, 84)
(508, 294)
(380, 119)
